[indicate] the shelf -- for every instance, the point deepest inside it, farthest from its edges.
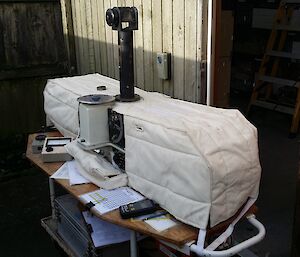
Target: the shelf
(288, 27)
(50, 225)
(275, 80)
(274, 107)
(283, 54)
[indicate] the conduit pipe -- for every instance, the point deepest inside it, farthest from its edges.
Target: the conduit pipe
(210, 52)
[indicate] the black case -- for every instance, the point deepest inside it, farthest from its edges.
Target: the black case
(131, 210)
(71, 227)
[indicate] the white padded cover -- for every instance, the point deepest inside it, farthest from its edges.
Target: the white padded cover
(95, 168)
(200, 163)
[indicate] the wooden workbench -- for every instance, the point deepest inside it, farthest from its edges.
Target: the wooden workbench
(178, 235)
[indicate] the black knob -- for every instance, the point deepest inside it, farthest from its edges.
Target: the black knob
(40, 137)
(49, 149)
(112, 17)
(99, 88)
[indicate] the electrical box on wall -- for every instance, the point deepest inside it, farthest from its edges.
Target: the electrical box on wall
(163, 63)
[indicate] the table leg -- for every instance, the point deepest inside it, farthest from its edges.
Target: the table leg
(133, 244)
(52, 196)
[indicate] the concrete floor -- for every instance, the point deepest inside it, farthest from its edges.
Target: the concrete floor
(279, 161)
(24, 200)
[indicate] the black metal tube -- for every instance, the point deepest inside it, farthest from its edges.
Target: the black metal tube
(126, 65)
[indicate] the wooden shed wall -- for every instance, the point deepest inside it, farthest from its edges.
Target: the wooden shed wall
(31, 39)
(32, 49)
(173, 26)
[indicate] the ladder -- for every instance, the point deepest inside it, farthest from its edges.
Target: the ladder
(270, 64)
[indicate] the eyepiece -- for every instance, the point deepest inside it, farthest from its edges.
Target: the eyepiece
(112, 17)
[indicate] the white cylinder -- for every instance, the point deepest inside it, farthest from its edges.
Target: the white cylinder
(93, 123)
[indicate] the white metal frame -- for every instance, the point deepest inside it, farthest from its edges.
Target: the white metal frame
(237, 248)
(191, 246)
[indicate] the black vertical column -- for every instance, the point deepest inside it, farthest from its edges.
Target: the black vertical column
(126, 65)
(125, 20)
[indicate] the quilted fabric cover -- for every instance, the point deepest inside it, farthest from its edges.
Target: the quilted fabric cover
(200, 163)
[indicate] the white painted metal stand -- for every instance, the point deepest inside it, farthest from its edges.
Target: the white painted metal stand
(237, 248)
(52, 197)
(133, 244)
(190, 246)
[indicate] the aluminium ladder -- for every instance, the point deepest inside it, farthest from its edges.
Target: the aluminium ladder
(266, 76)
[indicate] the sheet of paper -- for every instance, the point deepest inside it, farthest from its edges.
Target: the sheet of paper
(161, 223)
(105, 233)
(108, 200)
(62, 172)
(74, 175)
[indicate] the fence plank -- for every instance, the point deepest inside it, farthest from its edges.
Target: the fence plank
(178, 50)
(102, 36)
(148, 50)
(90, 37)
(76, 26)
(139, 46)
(109, 43)
(114, 3)
(190, 65)
(84, 30)
(200, 39)
(167, 28)
(157, 41)
(96, 36)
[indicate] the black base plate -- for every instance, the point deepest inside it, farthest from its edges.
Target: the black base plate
(134, 99)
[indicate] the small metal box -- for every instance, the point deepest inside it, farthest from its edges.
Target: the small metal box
(38, 143)
(54, 150)
(163, 65)
(71, 226)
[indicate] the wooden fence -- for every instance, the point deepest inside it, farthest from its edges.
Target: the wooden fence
(173, 26)
(32, 49)
(31, 39)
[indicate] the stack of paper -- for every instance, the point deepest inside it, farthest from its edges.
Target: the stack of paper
(74, 174)
(61, 173)
(161, 223)
(105, 233)
(70, 170)
(108, 200)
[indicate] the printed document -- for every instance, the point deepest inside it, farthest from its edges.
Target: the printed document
(108, 200)
(74, 174)
(105, 233)
(70, 170)
(62, 172)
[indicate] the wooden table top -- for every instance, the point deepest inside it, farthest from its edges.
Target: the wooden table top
(179, 234)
